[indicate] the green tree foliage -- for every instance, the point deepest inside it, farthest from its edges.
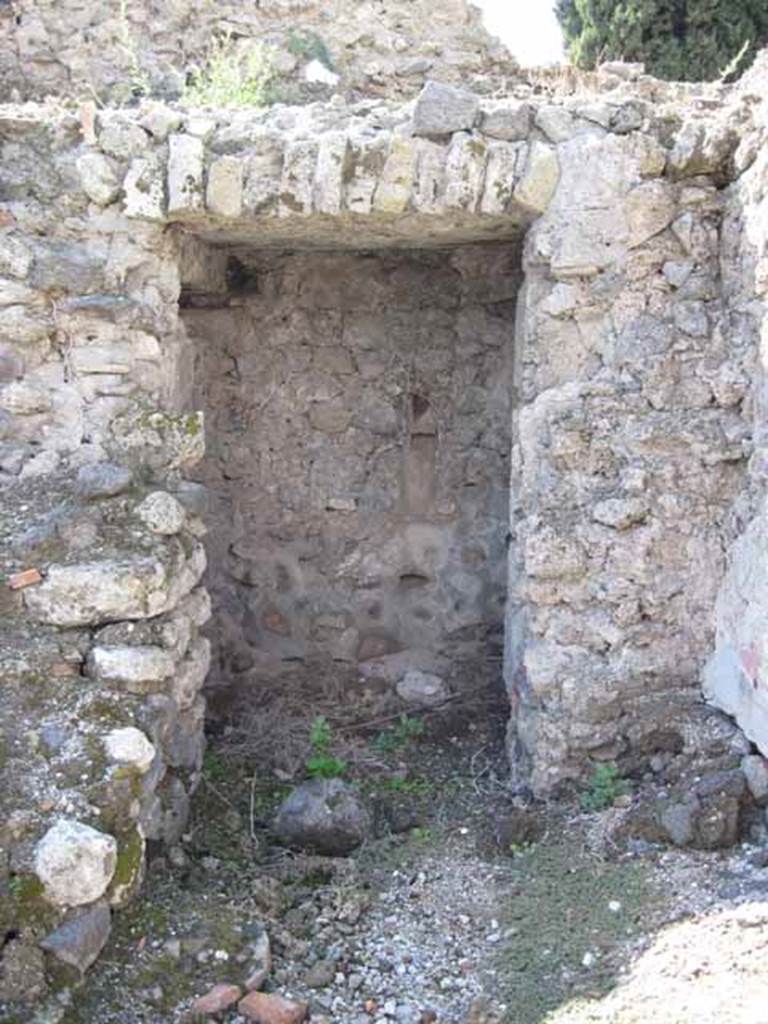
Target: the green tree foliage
(684, 40)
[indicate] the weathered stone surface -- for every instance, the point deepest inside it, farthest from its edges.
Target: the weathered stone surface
(75, 863)
(325, 816)
(755, 769)
(510, 122)
(129, 746)
(102, 480)
(443, 109)
(264, 1008)
(144, 189)
(709, 817)
(422, 688)
(138, 668)
(224, 194)
(96, 592)
(24, 398)
(79, 940)
(185, 174)
(98, 178)
(162, 513)
(539, 179)
(260, 958)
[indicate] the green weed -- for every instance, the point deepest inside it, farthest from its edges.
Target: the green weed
(400, 735)
(231, 78)
(605, 786)
(322, 764)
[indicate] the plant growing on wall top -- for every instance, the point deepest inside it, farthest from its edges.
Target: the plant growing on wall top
(233, 76)
(310, 46)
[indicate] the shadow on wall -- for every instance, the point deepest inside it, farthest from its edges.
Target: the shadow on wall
(358, 416)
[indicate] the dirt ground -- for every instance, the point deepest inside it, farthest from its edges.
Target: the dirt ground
(453, 911)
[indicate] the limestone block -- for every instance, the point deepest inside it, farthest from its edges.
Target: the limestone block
(332, 159)
(329, 417)
(297, 183)
(15, 257)
(650, 208)
(24, 398)
(702, 149)
(263, 172)
(198, 606)
(185, 174)
(129, 746)
(160, 121)
(113, 359)
(224, 195)
(75, 863)
(555, 122)
(755, 769)
(465, 171)
(79, 941)
(510, 122)
(429, 186)
(500, 176)
(98, 178)
(394, 189)
(97, 592)
(160, 440)
(123, 140)
(162, 513)
(444, 109)
(144, 189)
(367, 157)
(539, 178)
(139, 669)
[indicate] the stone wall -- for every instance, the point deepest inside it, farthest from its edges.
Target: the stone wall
(357, 417)
(634, 422)
(118, 50)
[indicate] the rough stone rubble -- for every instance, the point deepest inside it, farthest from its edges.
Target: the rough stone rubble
(637, 434)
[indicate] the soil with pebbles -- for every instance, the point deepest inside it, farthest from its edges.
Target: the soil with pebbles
(453, 913)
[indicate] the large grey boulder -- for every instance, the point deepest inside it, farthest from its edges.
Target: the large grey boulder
(443, 109)
(324, 816)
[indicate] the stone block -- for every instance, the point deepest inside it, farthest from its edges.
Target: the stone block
(75, 863)
(185, 174)
(129, 746)
(144, 189)
(394, 189)
(539, 179)
(465, 171)
(224, 194)
(102, 480)
(139, 669)
(510, 122)
(297, 182)
(444, 109)
(98, 178)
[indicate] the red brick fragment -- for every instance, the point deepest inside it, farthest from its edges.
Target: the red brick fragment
(24, 579)
(265, 1008)
(218, 999)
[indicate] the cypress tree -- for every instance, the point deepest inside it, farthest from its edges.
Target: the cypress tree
(686, 40)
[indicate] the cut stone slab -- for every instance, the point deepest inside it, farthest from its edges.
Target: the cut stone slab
(98, 178)
(444, 109)
(75, 863)
(325, 816)
(79, 941)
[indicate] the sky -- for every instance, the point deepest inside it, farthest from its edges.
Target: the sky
(528, 27)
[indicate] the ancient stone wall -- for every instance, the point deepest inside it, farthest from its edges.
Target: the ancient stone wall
(735, 677)
(632, 422)
(118, 50)
(358, 415)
